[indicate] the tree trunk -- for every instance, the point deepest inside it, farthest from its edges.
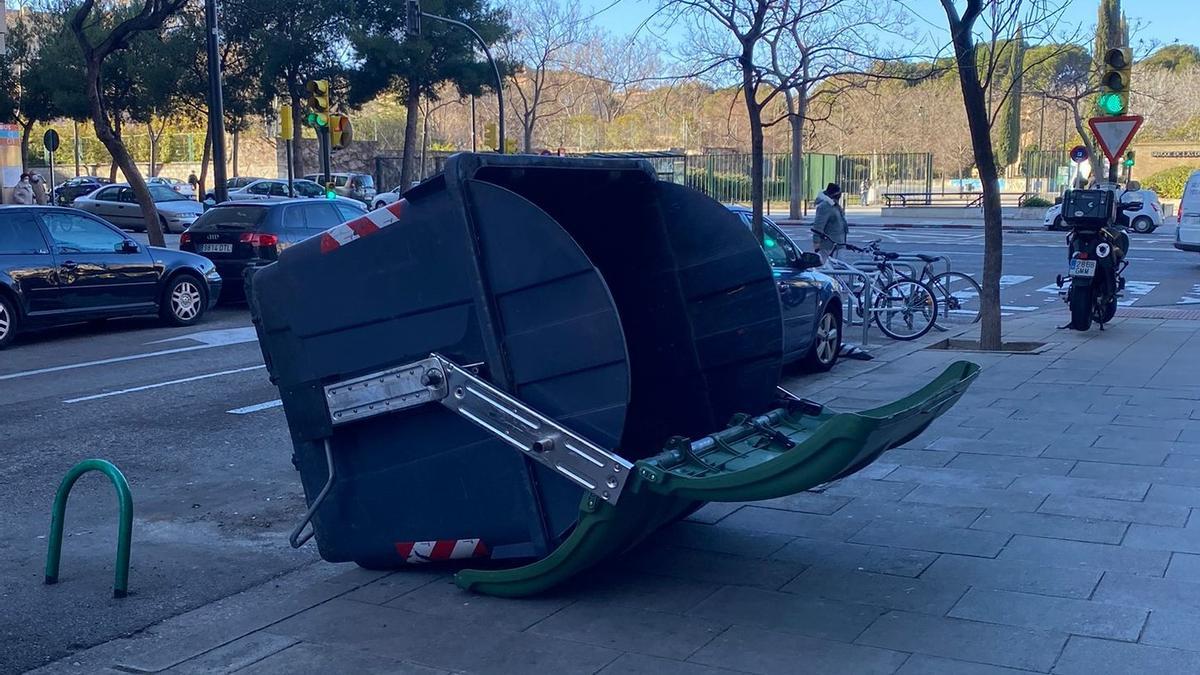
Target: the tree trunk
(112, 164)
(153, 148)
(26, 130)
(237, 138)
(412, 111)
(797, 104)
(297, 129)
(978, 120)
(205, 157)
(754, 112)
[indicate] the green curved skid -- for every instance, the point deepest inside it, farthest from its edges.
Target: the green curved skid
(124, 523)
(743, 463)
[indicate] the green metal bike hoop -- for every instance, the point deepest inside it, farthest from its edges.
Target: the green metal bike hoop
(779, 454)
(124, 529)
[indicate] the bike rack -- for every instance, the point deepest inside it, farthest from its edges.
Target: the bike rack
(864, 302)
(125, 524)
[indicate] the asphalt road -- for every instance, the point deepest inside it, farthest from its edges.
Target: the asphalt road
(189, 416)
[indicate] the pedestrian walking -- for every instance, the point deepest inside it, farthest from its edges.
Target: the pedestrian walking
(864, 192)
(194, 181)
(38, 185)
(830, 220)
(23, 191)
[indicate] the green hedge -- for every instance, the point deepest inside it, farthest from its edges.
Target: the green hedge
(1169, 183)
(1038, 202)
(729, 187)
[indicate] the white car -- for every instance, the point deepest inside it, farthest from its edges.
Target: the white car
(276, 188)
(1143, 221)
(382, 199)
(1187, 236)
(174, 183)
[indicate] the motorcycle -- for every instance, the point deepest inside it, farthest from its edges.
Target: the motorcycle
(1097, 246)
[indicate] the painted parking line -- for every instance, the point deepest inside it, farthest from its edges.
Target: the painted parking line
(267, 405)
(157, 385)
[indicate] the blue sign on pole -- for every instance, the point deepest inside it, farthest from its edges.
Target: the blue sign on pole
(1079, 154)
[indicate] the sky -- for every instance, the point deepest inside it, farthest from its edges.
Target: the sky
(1155, 21)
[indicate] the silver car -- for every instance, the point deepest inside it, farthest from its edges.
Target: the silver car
(117, 205)
(275, 188)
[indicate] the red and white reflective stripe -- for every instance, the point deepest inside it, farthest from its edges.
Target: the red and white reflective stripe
(415, 552)
(334, 238)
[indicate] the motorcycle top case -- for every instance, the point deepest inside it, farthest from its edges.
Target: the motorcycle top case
(1089, 209)
(626, 308)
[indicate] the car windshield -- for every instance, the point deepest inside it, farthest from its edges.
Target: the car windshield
(230, 218)
(161, 193)
(306, 189)
(367, 181)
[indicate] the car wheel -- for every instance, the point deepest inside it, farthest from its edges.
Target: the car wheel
(184, 300)
(827, 343)
(166, 227)
(8, 321)
(1143, 225)
(1057, 223)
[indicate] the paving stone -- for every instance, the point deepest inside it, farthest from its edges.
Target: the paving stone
(906, 457)
(932, 538)
(616, 585)
(1066, 615)
(806, 614)
(954, 478)
(867, 510)
(234, 655)
(871, 489)
(755, 650)
(1126, 455)
(1147, 474)
(1141, 422)
(1026, 577)
(394, 585)
(640, 664)
(792, 523)
(1161, 538)
(1113, 509)
(443, 598)
(1178, 460)
(1088, 656)
(1143, 444)
(309, 657)
(1129, 490)
(1053, 526)
(711, 567)
(1023, 466)
(877, 590)
(991, 446)
(1184, 566)
(1148, 592)
(921, 664)
(722, 539)
(807, 502)
(1174, 494)
(713, 512)
(625, 629)
(1179, 630)
(1008, 499)
(951, 638)
(883, 559)
(1085, 555)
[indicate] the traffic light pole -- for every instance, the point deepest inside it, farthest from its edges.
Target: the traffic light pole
(495, 69)
(326, 169)
(216, 104)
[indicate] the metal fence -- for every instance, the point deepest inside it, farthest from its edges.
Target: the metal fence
(1046, 171)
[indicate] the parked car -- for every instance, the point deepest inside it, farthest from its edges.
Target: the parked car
(240, 236)
(360, 186)
(66, 193)
(382, 199)
(235, 183)
(60, 265)
(117, 205)
(1187, 235)
(174, 183)
(271, 188)
(812, 307)
(1143, 221)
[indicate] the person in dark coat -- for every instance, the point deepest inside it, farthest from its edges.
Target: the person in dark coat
(830, 220)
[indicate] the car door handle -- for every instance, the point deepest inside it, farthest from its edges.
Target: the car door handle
(70, 264)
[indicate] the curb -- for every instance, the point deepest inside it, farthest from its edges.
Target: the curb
(921, 226)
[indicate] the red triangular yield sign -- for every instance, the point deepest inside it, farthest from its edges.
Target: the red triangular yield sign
(1114, 133)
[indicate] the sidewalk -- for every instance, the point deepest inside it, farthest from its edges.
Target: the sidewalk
(1042, 525)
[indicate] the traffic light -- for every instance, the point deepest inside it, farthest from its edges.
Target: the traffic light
(330, 193)
(1130, 158)
(1114, 82)
(341, 132)
(412, 24)
(489, 136)
(318, 103)
(285, 122)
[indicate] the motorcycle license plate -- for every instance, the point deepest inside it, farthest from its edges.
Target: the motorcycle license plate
(1083, 268)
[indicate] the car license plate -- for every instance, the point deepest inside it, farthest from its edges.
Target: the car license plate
(1083, 268)
(216, 248)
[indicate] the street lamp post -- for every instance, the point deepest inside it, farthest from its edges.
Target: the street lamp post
(216, 104)
(495, 69)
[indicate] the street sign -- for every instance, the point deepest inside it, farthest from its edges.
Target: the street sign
(1080, 154)
(1114, 134)
(50, 140)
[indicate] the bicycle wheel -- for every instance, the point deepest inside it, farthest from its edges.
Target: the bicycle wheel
(958, 300)
(905, 310)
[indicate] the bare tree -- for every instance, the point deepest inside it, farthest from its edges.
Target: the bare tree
(100, 34)
(545, 33)
(615, 67)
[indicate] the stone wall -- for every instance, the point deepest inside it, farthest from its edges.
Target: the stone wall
(1153, 157)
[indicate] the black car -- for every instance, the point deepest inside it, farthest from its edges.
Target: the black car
(65, 194)
(239, 236)
(61, 265)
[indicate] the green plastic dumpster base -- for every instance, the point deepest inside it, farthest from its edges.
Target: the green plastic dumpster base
(782, 453)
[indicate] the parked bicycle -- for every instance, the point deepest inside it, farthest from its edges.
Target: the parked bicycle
(904, 308)
(957, 293)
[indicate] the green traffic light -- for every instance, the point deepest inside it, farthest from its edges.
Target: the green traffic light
(330, 194)
(1128, 162)
(1111, 103)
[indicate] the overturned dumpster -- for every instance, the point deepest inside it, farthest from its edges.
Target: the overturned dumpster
(540, 361)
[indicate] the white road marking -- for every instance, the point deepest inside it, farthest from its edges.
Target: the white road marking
(218, 337)
(1136, 289)
(1018, 308)
(267, 405)
(168, 383)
